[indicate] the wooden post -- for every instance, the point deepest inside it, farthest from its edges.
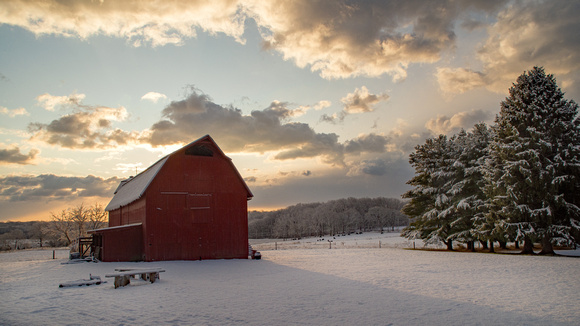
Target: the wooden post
(53, 254)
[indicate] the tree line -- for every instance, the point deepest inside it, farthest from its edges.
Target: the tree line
(340, 216)
(63, 228)
(515, 181)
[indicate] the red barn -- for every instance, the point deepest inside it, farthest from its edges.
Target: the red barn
(189, 205)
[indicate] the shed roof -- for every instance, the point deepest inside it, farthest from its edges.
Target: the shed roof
(131, 189)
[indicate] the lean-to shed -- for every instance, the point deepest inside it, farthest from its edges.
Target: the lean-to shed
(189, 205)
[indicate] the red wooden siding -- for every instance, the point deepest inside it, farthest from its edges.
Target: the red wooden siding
(194, 208)
(115, 244)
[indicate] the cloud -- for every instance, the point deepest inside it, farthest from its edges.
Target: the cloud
(261, 131)
(458, 80)
(365, 38)
(50, 102)
(301, 110)
(376, 167)
(370, 143)
(359, 101)
(153, 97)
(14, 112)
(445, 125)
(87, 127)
(156, 23)
(362, 101)
(333, 38)
(267, 130)
(52, 187)
(525, 35)
(13, 156)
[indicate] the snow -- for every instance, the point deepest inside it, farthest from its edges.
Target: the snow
(132, 189)
(302, 283)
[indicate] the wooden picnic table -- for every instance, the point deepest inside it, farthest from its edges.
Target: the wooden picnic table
(123, 275)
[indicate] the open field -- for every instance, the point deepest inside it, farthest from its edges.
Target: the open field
(364, 286)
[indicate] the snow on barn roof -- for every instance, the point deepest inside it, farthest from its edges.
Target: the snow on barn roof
(133, 188)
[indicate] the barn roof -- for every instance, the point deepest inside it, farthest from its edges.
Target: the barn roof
(131, 189)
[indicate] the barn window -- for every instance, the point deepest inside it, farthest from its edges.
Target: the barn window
(199, 150)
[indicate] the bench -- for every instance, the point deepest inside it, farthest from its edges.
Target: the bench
(123, 275)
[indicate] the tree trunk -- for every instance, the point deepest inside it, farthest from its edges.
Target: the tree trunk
(517, 244)
(449, 244)
(547, 248)
(491, 248)
(483, 244)
(528, 247)
(502, 244)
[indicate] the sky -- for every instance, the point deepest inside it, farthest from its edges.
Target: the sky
(312, 100)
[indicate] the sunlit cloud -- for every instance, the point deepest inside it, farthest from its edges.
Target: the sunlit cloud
(333, 38)
(154, 23)
(14, 112)
(51, 102)
(87, 127)
(445, 125)
(459, 80)
(153, 97)
(367, 38)
(525, 35)
(359, 101)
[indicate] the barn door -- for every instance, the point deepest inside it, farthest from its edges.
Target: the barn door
(201, 213)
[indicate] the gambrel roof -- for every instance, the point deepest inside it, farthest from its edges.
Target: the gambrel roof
(132, 189)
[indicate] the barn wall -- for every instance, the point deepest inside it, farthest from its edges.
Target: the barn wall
(130, 214)
(115, 217)
(123, 244)
(197, 209)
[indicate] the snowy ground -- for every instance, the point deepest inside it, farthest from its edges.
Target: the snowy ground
(354, 283)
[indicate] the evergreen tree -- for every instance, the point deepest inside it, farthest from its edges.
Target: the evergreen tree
(467, 195)
(534, 163)
(430, 207)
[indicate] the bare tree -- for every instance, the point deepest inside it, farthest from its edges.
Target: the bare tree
(62, 225)
(79, 216)
(97, 217)
(40, 232)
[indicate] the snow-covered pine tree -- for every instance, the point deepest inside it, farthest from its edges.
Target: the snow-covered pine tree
(429, 206)
(534, 163)
(466, 194)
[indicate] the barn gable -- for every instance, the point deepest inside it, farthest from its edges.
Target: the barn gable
(132, 189)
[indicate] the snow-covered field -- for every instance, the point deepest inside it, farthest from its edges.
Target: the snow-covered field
(354, 283)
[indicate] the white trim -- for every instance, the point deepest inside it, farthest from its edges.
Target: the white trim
(115, 227)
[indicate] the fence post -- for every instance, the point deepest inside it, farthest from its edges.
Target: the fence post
(53, 254)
